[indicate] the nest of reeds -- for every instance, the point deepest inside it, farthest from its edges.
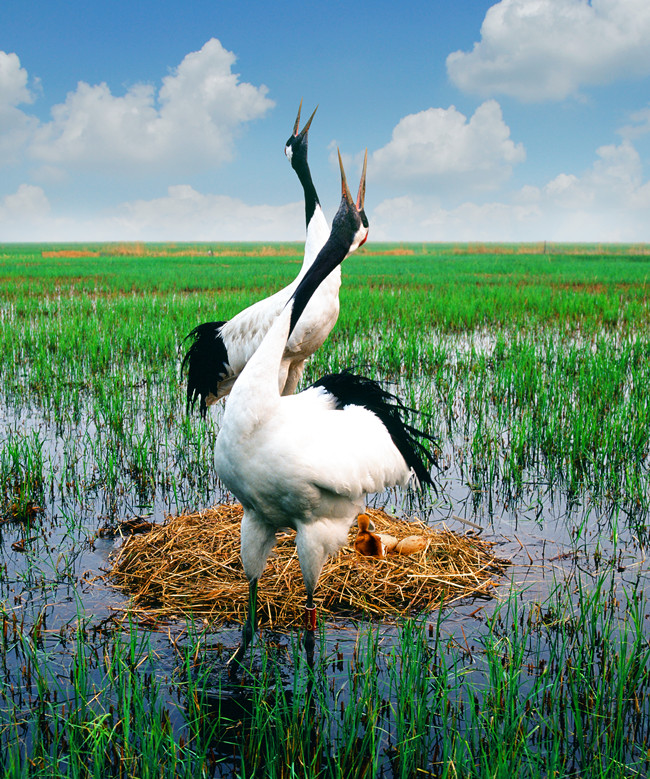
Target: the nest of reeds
(190, 565)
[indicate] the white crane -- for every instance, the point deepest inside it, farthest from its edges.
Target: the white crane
(307, 461)
(318, 230)
(220, 350)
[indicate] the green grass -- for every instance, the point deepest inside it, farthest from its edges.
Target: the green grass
(555, 687)
(106, 331)
(530, 365)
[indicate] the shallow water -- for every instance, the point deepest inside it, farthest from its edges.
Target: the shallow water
(53, 566)
(84, 489)
(544, 532)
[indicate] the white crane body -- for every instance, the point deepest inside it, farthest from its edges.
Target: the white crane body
(308, 461)
(220, 350)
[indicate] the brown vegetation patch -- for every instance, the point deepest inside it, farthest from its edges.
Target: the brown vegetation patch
(262, 251)
(546, 247)
(483, 248)
(400, 251)
(70, 253)
(190, 564)
(145, 250)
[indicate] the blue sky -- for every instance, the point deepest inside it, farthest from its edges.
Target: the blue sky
(518, 120)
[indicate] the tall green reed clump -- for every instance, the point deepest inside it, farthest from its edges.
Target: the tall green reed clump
(92, 704)
(513, 409)
(558, 686)
(555, 687)
(22, 474)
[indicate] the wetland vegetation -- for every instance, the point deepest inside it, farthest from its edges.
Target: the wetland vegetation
(531, 367)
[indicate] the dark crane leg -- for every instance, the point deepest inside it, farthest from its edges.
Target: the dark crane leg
(310, 629)
(248, 632)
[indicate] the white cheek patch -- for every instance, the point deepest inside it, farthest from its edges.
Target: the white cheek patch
(289, 152)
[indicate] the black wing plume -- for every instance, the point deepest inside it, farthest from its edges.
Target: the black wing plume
(349, 389)
(207, 364)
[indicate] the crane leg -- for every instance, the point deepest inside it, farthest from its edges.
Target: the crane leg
(250, 626)
(310, 629)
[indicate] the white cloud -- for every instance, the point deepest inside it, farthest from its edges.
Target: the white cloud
(439, 149)
(15, 125)
(191, 122)
(608, 202)
(610, 183)
(424, 219)
(23, 213)
(27, 201)
(187, 215)
(548, 49)
(640, 124)
(184, 214)
(13, 81)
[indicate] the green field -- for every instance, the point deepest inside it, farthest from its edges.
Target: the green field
(530, 365)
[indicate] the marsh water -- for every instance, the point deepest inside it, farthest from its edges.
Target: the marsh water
(75, 470)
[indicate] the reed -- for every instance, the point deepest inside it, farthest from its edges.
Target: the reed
(530, 366)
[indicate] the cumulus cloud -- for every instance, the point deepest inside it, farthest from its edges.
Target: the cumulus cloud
(187, 215)
(183, 214)
(23, 213)
(612, 182)
(608, 202)
(548, 49)
(639, 124)
(425, 219)
(13, 81)
(27, 201)
(439, 149)
(16, 126)
(191, 121)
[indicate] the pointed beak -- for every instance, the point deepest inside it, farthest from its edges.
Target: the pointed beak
(305, 129)
(345, 192)
(362, 184)
(297, 124)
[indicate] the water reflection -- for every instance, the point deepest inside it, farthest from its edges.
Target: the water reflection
(90, 470)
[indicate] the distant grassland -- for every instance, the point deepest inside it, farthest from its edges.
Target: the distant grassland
(448, 286)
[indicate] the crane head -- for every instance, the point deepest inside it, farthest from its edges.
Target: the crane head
(349, 231)
(351, 212)
(296, 146)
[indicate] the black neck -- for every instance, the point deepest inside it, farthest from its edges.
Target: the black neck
(301, 167)
(331, 255)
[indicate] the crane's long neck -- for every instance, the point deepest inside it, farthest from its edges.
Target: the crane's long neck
(256, 394)
(316, 224)
(258, 382)
(317, 235)
(311, 197)
(329, 258)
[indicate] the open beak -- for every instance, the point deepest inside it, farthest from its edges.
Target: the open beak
(345, 192)
(303, 132)
(362, 184)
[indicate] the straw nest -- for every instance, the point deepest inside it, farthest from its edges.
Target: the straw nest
(190, 565)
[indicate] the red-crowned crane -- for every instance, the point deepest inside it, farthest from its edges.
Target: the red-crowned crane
(220, 350)
(307, 461)
(318, 230)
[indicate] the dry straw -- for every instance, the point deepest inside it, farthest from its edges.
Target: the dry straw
(191, 565)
